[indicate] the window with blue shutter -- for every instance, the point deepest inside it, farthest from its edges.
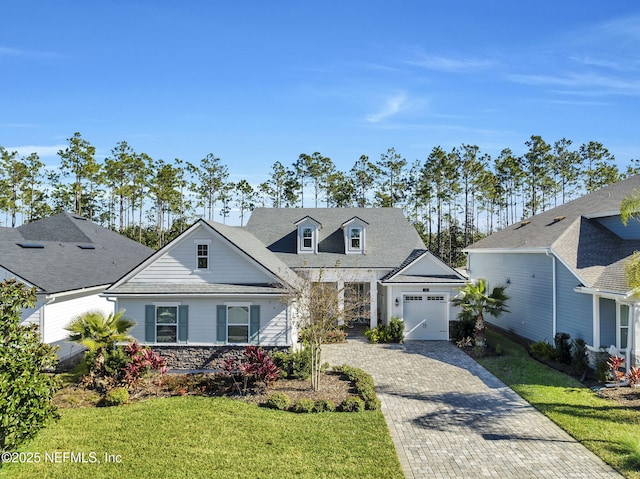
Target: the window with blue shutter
(254, 325)
(221, 323)
(150, 323)
(183, 322)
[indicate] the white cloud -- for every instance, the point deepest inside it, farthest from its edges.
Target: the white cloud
(392, 106)
(590, 83)
(450, 64)
(42, 151)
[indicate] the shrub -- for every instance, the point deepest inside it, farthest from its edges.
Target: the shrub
(25, 389)
(352, 404)
(116, 396)
(294, 364)
(602, 366)
(387, 333)
(542, 349)
(615, 363)
(373, 404)
(562, 352)
(634, 376)
(337, 335)
(464, 327)
(142, 361)
(278, 401)
(579, 358)
(324, 405)
(256, 365)
(304, 406)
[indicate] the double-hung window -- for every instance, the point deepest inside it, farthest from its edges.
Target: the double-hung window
(624, 326)
(238, 324)
(355, 239)
(166, 324)
(202, 255)
(307, 238)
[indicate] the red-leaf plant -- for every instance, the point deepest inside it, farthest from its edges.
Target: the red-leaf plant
(634, 376)
(143, 360)
(615, 363)
(256, 365)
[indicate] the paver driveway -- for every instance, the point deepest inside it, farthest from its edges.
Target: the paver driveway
(450, 418)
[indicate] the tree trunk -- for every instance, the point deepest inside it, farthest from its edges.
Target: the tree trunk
(480, 338)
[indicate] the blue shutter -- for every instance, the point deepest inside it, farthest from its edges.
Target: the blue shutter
(254, 324)
(183, 322)
(150, 323)
(221, 321)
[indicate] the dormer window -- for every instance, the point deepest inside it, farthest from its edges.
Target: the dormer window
(202, 255)
(307, 238)
(354, 236)
(307, 235)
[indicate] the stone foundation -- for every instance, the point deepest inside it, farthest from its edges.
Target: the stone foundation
(202, 357)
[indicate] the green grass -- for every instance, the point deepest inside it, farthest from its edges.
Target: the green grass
(195, 437)
(609, 430)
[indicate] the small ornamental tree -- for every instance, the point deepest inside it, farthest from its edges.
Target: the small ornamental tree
(319, 310)
(474, 301)
(25, 388)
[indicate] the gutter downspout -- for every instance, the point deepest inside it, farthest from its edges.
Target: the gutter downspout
(554, 306)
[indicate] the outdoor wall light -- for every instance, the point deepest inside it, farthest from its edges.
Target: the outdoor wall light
(397, 302)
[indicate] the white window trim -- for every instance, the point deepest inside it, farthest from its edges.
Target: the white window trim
(167, 305)
(350, 238)
(239, 305)
(201, 243)
(314, 235)
(618, 325)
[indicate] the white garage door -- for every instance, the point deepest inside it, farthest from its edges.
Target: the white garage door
(425, 317)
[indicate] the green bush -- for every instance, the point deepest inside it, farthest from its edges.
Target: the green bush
(304, 406)
(542, 349)
(464, 327)
(324, 405)
(116, 396)
(603, 370)
(294, 364)
(26, 389)
(373, 404)
(352, 404)
(278, 401)
(562, 352)
(579, 358)
(387, 333)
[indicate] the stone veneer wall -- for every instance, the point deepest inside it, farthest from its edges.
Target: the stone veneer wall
(202, 357)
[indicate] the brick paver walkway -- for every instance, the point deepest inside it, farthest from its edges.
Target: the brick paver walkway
(450, 418)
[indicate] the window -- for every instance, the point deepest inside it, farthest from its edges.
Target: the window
(624, 326)
(238, 324)
(166, 324)
(356, 235)
(202, 256)
(307, 238)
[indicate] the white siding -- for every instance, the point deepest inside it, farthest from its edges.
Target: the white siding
(274, 323)
(397, 291)
(59, 313)
(178, 264)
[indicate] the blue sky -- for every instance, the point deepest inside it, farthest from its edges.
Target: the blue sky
(256, 82)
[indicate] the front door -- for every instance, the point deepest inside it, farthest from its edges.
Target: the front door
(425, 317)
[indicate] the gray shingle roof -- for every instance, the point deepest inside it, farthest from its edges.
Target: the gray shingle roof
(61, 265)
(594, 253)
(195, 288)
(390, 239)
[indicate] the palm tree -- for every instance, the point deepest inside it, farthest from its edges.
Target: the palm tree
(95, 331)
(474, 302)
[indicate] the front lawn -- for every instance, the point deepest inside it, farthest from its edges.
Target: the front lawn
(195, 437)
(609, 429)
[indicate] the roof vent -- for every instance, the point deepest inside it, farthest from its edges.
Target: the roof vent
(76, 217)
(524, 223)
(558, 218)
(31, 245)
(86, 246)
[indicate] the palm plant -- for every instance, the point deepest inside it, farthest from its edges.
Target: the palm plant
(95, 331)
(474, 302)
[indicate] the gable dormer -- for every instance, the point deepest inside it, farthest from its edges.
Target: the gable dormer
(355, 235)
(307, 237)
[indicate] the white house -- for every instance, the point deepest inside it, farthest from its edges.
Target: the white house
(217, 285)
(70, 261)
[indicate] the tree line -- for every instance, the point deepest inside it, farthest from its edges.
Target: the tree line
(452, 197)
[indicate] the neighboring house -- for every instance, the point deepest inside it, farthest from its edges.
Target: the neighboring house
(220, 285)
(70, 261)
(565, 272)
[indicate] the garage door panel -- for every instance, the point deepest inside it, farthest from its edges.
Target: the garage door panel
(425, 317)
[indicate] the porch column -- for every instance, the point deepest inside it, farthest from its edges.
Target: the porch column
(596, 321)
(634, 334)
(373, 304)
